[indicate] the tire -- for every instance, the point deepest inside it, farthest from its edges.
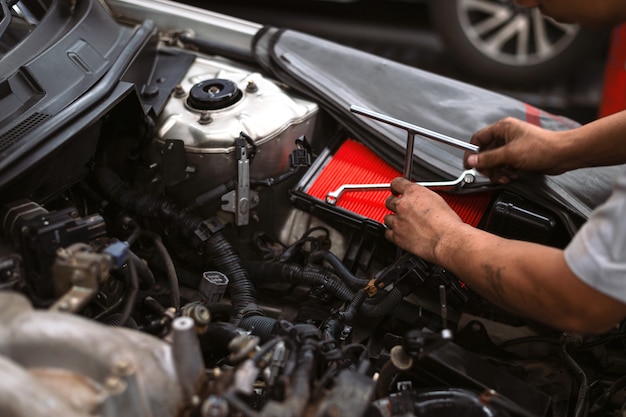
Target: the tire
(497, 41)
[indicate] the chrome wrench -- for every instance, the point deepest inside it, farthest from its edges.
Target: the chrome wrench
(467, 177)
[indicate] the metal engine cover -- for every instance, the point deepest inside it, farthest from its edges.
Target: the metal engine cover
(213, 104)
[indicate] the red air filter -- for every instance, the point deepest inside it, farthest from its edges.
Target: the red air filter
(354, 163)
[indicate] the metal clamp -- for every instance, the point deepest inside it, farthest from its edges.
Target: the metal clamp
(241, 200)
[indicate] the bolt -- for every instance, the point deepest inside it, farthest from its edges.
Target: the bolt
(150, 91)
(114, 384)
(123, 367)
(202, 315)
(198, 312)
(243, 206)
(170, 312)
(252, 87)
(205, 118)
(179, 91)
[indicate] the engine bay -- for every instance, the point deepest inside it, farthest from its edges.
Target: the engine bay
(191, 264)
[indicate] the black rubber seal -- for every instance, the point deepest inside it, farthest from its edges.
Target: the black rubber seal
(214, 94)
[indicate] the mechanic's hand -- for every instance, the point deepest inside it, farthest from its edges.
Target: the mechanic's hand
(511, 144)
(420, 218)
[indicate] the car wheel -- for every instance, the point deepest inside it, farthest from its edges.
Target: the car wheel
(496, 40)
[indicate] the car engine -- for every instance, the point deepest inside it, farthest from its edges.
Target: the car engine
(181, 259)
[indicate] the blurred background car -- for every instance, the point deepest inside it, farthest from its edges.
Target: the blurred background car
(492, 43)
(499, 41)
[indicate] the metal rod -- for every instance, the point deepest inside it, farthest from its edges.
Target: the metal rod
(408, 158)
(411, 128)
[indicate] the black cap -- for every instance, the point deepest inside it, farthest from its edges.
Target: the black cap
(214, 94)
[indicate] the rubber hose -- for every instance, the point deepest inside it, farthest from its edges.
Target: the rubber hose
(388, 303)
(582, 403)
(297, 274)
(242, 290)
(341, 270)
(132, 287)
(115, 320)
(212, 195)
(170, 270)
(455, 402)
(217, 192)
(348, 314)
(417, 316)
(452, 402)
(214, 341)
(261, 326)
(329, 330)
(146, 277)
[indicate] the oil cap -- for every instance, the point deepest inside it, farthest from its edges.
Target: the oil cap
(214, 94)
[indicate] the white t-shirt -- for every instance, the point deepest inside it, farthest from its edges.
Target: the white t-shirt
(597, 254)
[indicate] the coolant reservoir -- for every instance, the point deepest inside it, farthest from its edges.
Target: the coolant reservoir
(207, 112)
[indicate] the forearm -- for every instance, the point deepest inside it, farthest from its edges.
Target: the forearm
(525, 278)
(599, 143)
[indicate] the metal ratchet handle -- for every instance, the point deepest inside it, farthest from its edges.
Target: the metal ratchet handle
(411, 128)
(466, 177)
